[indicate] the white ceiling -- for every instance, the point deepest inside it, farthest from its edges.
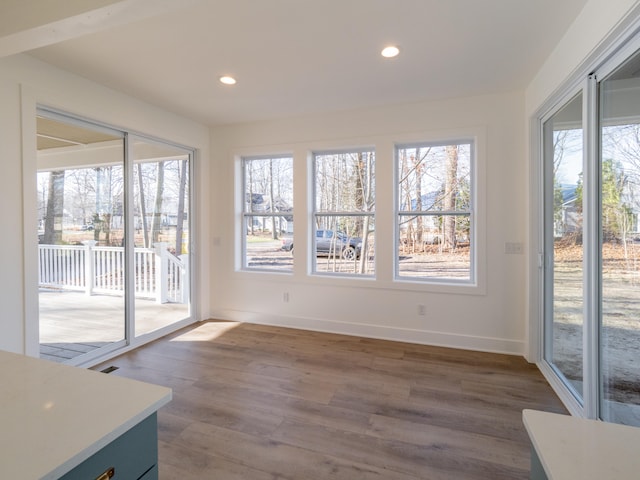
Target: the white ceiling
(297, 57)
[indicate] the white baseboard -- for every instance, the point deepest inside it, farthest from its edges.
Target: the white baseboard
(423, 337)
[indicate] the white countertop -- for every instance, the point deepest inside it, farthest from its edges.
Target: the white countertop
(572, 447)
(53, 417)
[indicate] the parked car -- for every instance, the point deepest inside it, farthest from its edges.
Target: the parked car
(330, 243)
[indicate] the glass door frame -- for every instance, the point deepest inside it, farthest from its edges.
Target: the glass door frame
(132, 137)
(586, 81)
(130, 340)
(546, 258)
(108, 349)
(600, 408)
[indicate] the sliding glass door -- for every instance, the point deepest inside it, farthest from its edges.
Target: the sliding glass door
(563, 145)
(591, 259)
(80, 237)
(114, 238)
(619, 192)
(161, 238)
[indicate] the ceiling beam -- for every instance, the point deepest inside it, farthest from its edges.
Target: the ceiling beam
(26, 25)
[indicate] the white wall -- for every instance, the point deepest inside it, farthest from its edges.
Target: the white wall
(489, 319)
(596, 21)
(24, 82)
(11, 252)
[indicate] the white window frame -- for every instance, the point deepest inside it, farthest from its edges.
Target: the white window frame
(474, 218)
(244, 214)
(315, 213)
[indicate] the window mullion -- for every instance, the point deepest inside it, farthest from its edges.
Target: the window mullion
(591, 259)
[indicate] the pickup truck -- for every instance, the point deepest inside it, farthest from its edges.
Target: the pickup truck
(331, 243)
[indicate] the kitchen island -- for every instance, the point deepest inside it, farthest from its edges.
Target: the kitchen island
(62, 422)
(568, 448)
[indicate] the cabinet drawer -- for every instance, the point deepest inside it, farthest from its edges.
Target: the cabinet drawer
(133, 455)
(151, 474)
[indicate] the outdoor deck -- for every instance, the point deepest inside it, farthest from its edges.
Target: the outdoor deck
(73, 323)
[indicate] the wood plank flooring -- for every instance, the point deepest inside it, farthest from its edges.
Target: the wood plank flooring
(255, 402)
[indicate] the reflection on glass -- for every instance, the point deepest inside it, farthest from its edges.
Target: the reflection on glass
(563, 144)
(620, 249)
(80, 230)
(161, 237)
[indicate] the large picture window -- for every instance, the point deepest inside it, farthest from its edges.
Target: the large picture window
(435, 225)
(267, 213)
(344, 213)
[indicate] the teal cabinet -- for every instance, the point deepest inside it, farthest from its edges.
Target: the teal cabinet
(537, 470)
(132, 456)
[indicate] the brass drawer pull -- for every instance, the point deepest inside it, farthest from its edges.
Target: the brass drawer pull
(107, 475)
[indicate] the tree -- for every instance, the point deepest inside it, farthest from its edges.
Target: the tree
(181, 204)
(558, 199)
(412, 181)
(405, 198)
(274, 233)
(109, 188)
(567, 160)
(417, 167)
(365, 201)
(143, 206)
(80, 193)
(55, 209)
(450, 194)
(156, 224)
(463, 202)
(616, 214)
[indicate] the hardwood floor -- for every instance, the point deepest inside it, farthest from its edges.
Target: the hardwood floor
(254, 402)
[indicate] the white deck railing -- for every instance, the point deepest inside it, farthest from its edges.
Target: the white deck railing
(100, 270)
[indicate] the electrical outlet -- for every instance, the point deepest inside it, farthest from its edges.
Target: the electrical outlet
(422, 310)
(285, 297)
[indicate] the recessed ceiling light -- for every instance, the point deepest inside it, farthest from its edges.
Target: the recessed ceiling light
(390, 52)
(227, 80)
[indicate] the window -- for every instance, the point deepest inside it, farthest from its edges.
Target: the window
(344, 213)
(268, 213)
(435, 225)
